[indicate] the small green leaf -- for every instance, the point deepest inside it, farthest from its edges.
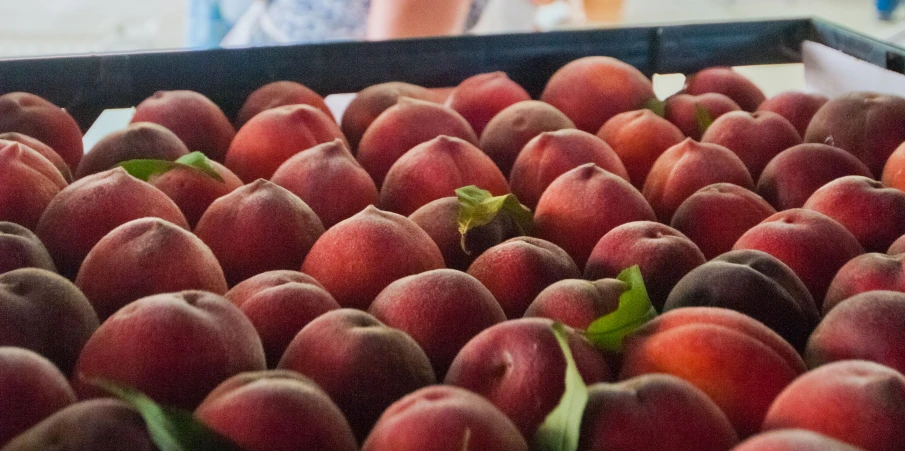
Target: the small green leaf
(144, 169)
(703, 117)
(561, 429)
(634, 310)
(477, 207)
(171, 429)
(657, 106)
(200, 162)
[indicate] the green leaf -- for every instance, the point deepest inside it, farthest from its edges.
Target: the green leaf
(171, 429)
(657, 106)
(144, 169)
(561, 429)
(634, 311)
(477, 207)
(200, 162)
(703, 117)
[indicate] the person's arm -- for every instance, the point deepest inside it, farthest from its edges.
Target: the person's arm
(412, 18)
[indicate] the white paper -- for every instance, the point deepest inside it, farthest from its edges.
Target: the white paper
(833, 73)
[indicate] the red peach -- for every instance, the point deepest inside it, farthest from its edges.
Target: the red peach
(270, 138)
(866, 272)
(30, 183)
(592, 89)
(435, 169)
(511, 129)
(582, 205)
(687, 167)
(42, 149)
(814, 245)
(440, 309)
(279, 93)
(33, 389)
(638, 138)
(258, 227)
(725, 80)
(793, 440)
(194, 118)
(403, 126)
(329, 179)
(174, 347)
(577, 302)
(146, 256)
(791, 177)
(715, 216)
(139, 140)
(480, 97)
(360, 256)
(755, 137)
(262, 411)
(683, 110)
(373, 100)
(36, 117)
(21, 248)
(796, 106)
(551, 154)
(194, 191)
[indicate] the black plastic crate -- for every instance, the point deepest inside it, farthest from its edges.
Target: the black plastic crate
(87, 84)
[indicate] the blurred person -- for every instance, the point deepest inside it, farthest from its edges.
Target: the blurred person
(304, 21)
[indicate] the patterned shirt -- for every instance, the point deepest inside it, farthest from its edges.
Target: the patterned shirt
(324, 20)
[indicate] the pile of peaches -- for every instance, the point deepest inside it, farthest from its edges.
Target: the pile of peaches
(392, 280)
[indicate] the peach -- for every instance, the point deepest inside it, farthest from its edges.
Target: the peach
(592, 89)
(363, 364)
(638, 138)
(98, 424)
(270, 138)
(897, 247)
(403, 126)
(582, 205)
(893, 174)
(174, 347)
(440, 309)
(435, 169)
(518, 366)
(867, 326)
(793, 440)
(33, 389)
(577, 302)
(143, 257)
(262, 411)
(42, 149)
(868, 125)
(517, 270)
(329, 179)
(653, 412)
(21, 248)
(194, 118)
(684, 110)
(551, 154)
(687, 167)
(510, 130)
(754, 283)
(755, 137)
(873, 213)
(866, 272)
(715, 216)
(797, 107)
(439, 218)
(814, 245)
(360, 256)
(34, 116)
(194, 191)
(373, 100)
(30, 182)
(139, 140)
(258, 227)
(46, 313)
(855, 401)
(791, 177)
(279, 304)
(664, 256)
(444, 418)
(737, 361)
(480, 97)
(279, 93)
(728, 82)
(80, 215)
